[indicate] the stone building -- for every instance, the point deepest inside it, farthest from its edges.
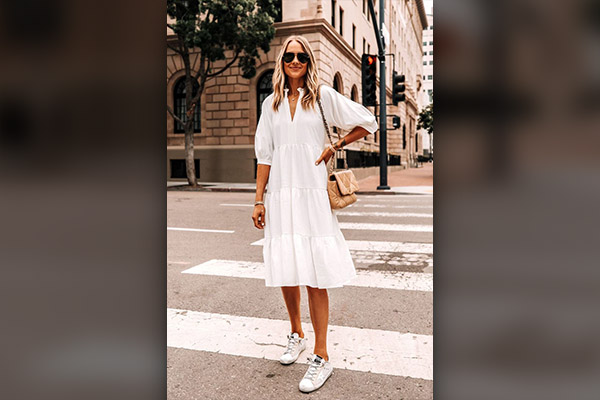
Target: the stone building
(339, 31)
(426, 96)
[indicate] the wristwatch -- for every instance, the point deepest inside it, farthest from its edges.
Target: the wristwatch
(259, 202)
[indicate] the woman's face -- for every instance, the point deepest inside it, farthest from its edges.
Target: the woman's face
(295, 69)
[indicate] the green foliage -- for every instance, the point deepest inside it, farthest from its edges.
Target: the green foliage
(426, 119)
(214, 26)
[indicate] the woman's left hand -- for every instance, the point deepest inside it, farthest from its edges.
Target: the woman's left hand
(325, 156)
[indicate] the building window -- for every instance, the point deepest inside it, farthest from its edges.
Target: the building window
(424, 62)
(424, 43)
(430, 62)
(353, 36)
(364, 6)
(368, 49)
(430, 77)
(263, 89)
(333, 3)
(431, 53)
(179, 106)
(431, 43)
(404, 136)
(341, 21)
(364, 46)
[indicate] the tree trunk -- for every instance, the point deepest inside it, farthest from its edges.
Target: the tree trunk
(190, 169)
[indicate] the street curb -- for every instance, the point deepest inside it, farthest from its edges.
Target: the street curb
(244, 190)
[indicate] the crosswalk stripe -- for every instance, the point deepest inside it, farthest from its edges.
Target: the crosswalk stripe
(381, 246)
(383, 214)
(385, 206)
(385, 227)
(199, 230)
(355, 349)
(398, 280)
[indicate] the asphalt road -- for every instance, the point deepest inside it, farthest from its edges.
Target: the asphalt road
(390, 308)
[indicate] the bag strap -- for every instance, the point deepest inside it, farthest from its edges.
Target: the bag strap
(325, 122)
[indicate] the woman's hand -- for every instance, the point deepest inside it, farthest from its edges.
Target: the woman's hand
(325, 156)
(258, 216)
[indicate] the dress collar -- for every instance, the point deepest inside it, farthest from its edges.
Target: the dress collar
(286, 90)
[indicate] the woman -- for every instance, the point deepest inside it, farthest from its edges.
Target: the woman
(303, 243)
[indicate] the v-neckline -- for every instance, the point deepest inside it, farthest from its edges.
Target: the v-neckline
(289, 107)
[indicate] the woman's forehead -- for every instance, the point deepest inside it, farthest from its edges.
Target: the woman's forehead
(294, 46)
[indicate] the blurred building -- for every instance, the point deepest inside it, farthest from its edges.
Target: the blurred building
(426, 96)
(339, 32)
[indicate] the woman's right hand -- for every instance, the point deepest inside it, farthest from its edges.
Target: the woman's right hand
(258, 216)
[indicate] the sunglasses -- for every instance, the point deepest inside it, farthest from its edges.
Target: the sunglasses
(302, 57)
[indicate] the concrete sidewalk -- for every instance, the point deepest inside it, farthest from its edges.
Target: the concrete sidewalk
(411, 180)
(406, 181)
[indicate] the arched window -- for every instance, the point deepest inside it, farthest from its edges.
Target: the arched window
(180, 108)
(354, 94)
(264, 88)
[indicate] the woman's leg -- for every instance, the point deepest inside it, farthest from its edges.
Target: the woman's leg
(318, 302)
(291, 295)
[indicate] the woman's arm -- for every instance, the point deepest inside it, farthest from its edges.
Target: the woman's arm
(355, 134)
(262, 176)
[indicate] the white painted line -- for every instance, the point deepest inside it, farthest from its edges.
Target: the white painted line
(379, 246)
(386, 206)
(396, 198)
(385, 227)
(199, 230)
(236, 205)
(400, 280)
(383, 214)
(356, 349)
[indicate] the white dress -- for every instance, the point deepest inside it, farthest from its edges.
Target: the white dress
(303, 243)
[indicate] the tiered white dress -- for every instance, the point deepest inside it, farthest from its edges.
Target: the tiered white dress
(303, 244)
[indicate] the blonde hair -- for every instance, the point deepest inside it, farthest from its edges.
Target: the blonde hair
(311, 79)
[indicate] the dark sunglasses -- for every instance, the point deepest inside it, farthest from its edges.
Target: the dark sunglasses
(302, 57)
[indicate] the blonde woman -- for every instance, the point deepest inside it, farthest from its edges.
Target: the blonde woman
(303, 243)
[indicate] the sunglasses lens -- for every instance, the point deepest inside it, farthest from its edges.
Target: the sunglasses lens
(288, 57)
(303, 58)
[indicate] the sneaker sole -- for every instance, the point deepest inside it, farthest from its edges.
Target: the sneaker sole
(293, 361)
(318, 387)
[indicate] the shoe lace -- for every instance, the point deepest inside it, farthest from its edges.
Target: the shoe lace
(291, 344)
(313, 369)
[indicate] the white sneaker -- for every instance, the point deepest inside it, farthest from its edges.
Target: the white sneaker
(295, 346)
(318, 372)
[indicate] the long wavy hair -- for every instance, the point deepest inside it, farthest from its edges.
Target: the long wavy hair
(311, 79)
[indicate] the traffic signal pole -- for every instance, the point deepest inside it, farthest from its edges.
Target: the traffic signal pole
(382, 94)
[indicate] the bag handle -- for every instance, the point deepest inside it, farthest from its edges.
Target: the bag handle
(326, 125)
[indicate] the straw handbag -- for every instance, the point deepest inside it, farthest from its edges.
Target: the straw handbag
(342, 184)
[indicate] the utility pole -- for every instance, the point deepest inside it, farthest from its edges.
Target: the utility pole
(382, 93)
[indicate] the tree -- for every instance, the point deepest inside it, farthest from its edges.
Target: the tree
(426, 119)
(209, 28)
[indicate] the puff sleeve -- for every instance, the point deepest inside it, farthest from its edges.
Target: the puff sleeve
(344, 113)
(263, 140)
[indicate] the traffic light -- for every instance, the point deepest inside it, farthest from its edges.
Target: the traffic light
(398, 89)
(396, 122)
(369, 86)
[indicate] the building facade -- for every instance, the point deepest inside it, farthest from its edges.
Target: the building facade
(426, 96)
(339, 31)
